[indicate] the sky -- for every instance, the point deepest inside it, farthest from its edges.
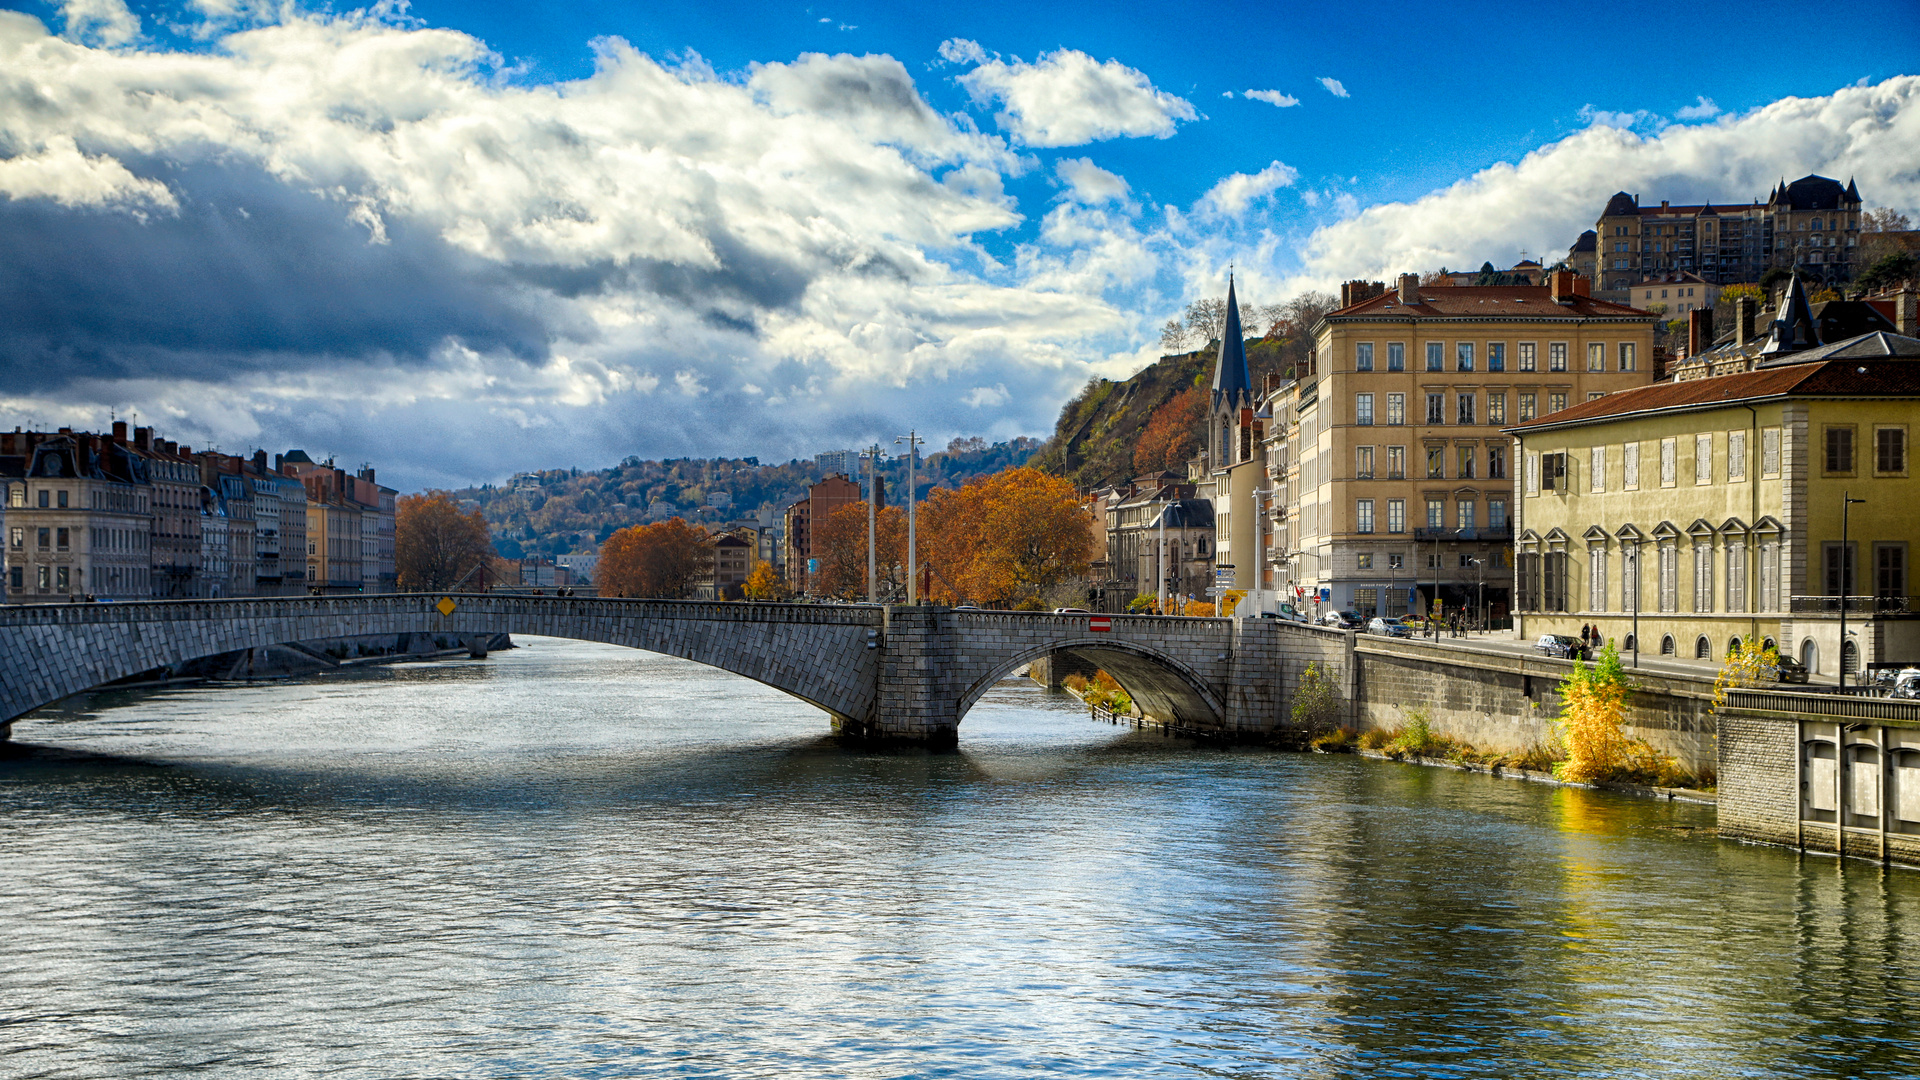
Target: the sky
(460, 240)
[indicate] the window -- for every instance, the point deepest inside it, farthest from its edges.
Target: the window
(1627, 359)
(1736, 455)
(1702, 578)
(1736, 574)
(1466, 463)
(1837, 561)
(1630, 466)
(1527, 406)
(1497, 513)
(1436, 356)
(63, 500)
(1769, 577)
(1496, 409)
(45, 538)
(43, 498)
(17, 495)
(1436, 463)
(1839, 448)
(1363, 462)
(1363, 561)
(1396, 409)
(17, 538)
(1466, 408)
(62, 576)
(1890, 570)
(1553, 472)
(1703, 458)
(1597, 578)
(1890, 450)
(1436, 513)
(1396, 463)
(1596, 357)
(1363, 516)
(1396, 356)
(17, 578)
(1496, 462)
(1464, 513)
(1595, 395)
(1363, 409)
(1527, 356)
(1557, 356)
(1396, 523)
(1526, 582)
(1433, 560)
(1396, 562)
(1668, 452)
(1363, 356)
(1533, 474)
(1770, 451)
(1669, 577)
(46, 577)
(1436, 409)
(1556, 402)
(1463, 355)
(1553, 582)
(1496, 356)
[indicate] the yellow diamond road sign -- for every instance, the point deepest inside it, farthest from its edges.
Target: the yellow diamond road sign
(446, 605)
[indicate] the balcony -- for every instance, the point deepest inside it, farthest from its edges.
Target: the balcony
(1855, 605)
(1488, 534)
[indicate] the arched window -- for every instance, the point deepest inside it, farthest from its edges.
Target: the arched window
(1667, 647)
(1733, 645)
(1702, 648)
(1628, 643)
(1769, 643)
(1849, 658)
(1810, 655)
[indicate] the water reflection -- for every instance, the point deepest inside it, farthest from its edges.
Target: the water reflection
(575, 860)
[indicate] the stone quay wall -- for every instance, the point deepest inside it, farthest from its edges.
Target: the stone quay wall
(1506, 703)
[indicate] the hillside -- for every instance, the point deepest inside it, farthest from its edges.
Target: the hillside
(565, 510)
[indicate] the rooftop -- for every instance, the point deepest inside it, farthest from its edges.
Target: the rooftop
(1488, 301)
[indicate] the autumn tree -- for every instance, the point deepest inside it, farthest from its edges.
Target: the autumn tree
(840, 543)
(764, 583)
(436, 547)
(1005, 537)
(1173, 434)
(657, 560)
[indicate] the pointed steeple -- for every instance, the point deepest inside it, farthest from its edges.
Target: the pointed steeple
(1853, 193)
(1232, 382)
(1794, 330)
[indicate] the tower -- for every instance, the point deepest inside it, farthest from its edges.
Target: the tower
(1231, 414)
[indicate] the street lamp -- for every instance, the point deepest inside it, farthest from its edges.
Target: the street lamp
(913, 441)
(1633, 560)
(1847, 503)
(1481, 605)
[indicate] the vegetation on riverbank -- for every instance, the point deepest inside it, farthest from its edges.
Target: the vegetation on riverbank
(1102, 690)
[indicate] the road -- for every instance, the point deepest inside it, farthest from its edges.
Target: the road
(1503, 642)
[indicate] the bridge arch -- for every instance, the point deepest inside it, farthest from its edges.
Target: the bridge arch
(1165, 688)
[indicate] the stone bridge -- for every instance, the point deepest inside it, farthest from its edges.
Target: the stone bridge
(896, 673)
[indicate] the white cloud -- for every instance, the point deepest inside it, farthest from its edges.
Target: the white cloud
(1067, 98)
(1089, 183)
(1231, 195)
(987, 396)
(962, 51)
(1704, 109)
(1273, 97)
(105, 21)
(1334, 87)
(1541, 204)
(58, 171)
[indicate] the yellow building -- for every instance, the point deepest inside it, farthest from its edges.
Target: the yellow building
(1396, 471)
(1709, 510)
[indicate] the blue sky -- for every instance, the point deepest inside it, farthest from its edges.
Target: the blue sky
(464, 239)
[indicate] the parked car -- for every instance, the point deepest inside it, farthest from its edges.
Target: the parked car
(1787, 669)
(1342, 620)
(1562, 646)
(1905, 685)
(1291, 613)
(1388, 627)
(1071, 611)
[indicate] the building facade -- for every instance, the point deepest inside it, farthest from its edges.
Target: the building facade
(77, 518)
(1812, 223)
(1396, 472)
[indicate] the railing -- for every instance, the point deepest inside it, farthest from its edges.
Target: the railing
(1855, 605)
(1488, 533)
(1825, 704)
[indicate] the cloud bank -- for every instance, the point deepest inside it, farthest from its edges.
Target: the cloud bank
(1067, 98)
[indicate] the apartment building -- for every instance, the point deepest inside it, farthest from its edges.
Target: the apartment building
(1390, 451)
(77, 518)
(1812, 224)
(822, 499)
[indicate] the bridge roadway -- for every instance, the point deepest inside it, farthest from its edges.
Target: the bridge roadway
(886, 673)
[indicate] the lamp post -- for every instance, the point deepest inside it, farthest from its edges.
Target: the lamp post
(913, 441)
(1480, 606)
(1633, 559)
(1847, 503)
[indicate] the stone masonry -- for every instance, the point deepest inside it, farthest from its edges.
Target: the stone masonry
(905, 673)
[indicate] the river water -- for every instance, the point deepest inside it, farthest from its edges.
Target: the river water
(577, 860)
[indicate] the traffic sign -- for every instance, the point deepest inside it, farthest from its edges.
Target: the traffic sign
(446, 605)
(1100, 624)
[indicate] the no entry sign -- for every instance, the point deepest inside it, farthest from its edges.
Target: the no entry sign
(1100, 624)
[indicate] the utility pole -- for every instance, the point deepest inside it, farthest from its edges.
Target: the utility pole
(1160, 566)
(913, 441)
(873, 498)
(1847, 503)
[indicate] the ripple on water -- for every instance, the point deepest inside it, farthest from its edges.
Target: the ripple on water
(575, 860)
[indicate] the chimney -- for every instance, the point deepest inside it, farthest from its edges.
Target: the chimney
(1743, 320)
(1354, 292)
(1582, 286)
(120, 431)
(143, 438)
(366, 473)
(1699, 331)
(1560, 286)
(1409, 288)
(1906, 311)
(260, 461)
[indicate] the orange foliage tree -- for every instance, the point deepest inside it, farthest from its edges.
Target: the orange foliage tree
(1172, 434)
(658, 560)
(840, 543)
(1005, 537)
(436, 546)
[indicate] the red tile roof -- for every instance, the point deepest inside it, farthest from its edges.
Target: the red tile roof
(1831, 378)
(1488, 301)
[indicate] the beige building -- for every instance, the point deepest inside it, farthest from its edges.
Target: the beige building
(76, 520)
(1685, 516)
(1812, 223)
(1397, 477)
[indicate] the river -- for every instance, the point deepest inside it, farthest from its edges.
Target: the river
(577, 860)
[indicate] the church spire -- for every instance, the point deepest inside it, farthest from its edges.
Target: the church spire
(1232, 383)
(1794, 330)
